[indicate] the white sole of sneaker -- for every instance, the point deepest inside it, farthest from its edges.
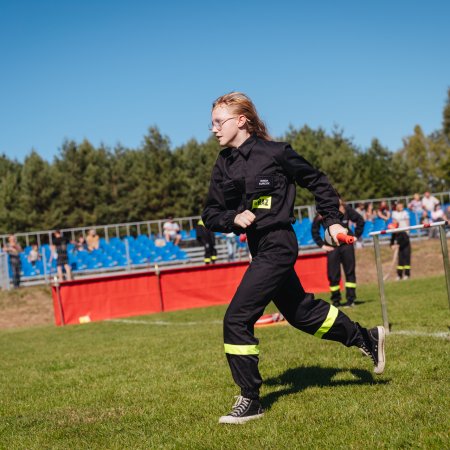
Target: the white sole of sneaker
(239, 420)
(379, 368)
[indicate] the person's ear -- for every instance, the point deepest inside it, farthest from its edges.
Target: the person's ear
(242, 120)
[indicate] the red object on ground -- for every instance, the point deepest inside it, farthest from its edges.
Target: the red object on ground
(132, 294)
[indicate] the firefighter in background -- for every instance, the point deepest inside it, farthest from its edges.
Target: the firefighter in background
(344, 254)
(401, 239)
(208, 239)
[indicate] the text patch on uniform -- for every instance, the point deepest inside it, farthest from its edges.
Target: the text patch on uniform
(264, 202)
(264, 181)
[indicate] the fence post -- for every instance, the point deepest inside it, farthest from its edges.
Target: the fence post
(445, 258)
(376, 243)
(127, 253)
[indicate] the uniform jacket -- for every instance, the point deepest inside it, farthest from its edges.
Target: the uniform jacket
(260, 176)
(349, 215)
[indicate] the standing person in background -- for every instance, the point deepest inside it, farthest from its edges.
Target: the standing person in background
(429, 202)
(415, 206)
(400, 215)
(343, 255)
(370, 214)
(401, 239)
(59, 247)
(252, 191)
(208, 239)
(14, 249)
(34, 256)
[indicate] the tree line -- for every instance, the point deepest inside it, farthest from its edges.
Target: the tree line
(85, 185)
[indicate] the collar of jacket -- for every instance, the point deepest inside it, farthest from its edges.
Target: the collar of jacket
(244, 149)
(247, 145)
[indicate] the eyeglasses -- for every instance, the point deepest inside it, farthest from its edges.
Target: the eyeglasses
(218, 125)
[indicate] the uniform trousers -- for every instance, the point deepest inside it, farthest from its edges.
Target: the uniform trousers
(345, 255)
(271, 277)
(404, 255)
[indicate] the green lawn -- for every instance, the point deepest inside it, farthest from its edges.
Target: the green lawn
(162, 381)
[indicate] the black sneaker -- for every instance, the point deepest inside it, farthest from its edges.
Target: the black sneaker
(373, 346)
(349, 304)
(337, 303)
(244, 409)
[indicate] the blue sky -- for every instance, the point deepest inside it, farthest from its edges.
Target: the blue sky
(107, 70)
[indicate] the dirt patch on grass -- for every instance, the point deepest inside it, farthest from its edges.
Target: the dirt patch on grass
(426, 261)
(25, 307)
(32, 306)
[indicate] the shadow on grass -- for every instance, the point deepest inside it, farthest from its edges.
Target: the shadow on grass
(301, 378)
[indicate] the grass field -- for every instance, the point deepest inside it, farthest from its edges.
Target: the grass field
(162, 381)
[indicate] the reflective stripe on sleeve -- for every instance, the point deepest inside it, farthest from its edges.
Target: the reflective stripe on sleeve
(328, 322)
(241, 349)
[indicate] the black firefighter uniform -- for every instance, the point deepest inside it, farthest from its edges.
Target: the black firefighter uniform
(208, 240)
(344, 254)
(260, 176)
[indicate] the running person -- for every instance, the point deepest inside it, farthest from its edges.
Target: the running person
(252, 190)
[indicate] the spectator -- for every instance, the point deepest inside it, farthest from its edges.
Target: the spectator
(383, 211)
(401, 216)
(230, 241)
(80, 244)
(34, 256)
(93, 241)
(370, 214)
(415, 205)
(171, 231)
(59, 249)
(437, 215)
(361, 210)
(14, 249)
(429, 202)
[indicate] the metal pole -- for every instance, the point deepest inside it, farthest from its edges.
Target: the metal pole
(445, 258)
(376, 243)
(58, 295)
(158, 276)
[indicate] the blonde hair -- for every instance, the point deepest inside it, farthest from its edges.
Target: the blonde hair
(242, 105)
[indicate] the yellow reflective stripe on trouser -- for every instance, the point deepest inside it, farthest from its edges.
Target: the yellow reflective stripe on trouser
(241, 349)
(328, 323)
(407, 267)
(400, 267)
(350, 284)
(334, 288)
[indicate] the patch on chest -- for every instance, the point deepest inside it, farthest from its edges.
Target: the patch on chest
(264, 202)
(264, 181)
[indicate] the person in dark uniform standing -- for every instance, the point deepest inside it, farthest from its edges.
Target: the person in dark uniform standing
(344, 254)
(252, 191)
(404, 252)
(208, 239)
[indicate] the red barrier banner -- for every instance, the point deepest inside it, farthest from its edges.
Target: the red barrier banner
(147, 292)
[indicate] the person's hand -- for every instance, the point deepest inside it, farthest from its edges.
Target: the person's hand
(336, 229)
(394, 246)
(327, 248)
(244, 219)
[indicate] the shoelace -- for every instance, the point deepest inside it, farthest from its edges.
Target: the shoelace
(367, 352)
(240, 406)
